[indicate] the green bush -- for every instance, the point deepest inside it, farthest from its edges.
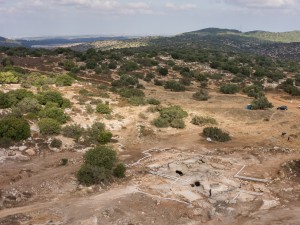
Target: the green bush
(200, 120)
(174, 86)
(253, 90)
(153, 101)
(14, 128)
(216, 134)
(9, 77)
(161, 122)
(4, 101)
(74, 131)
(229, 89)
(55, 97)
(171, 116)
(201, 95)
(29, 105)
(119, 170)
(69, 65)
(64, 80)
(177, 123)
(104, 137)
(158, 82)
(49, 126)
(92, 133)
(89, 174)
(103, 109)
(163, 71)
(136, 101)
(18, 95)
(56, 143)
(101, 156)
(54, 113)
(261, 103)
(131, 92)
(173, 112)
(100, 164)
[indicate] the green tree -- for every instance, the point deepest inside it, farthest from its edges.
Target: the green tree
(261, 103)
(49, 126)
(14, 128)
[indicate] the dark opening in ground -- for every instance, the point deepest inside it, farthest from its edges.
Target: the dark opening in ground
(179, 172)
(197, 183)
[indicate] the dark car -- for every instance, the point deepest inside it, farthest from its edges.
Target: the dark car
(283, 107)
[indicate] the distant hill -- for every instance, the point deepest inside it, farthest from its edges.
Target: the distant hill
(283, 37)
(9, 43)
(60, 41)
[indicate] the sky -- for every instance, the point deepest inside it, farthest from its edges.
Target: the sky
(34, 18)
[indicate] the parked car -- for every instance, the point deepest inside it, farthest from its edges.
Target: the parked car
(283, 107)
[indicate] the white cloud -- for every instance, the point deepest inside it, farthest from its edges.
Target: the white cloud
(99, 6)
(282, 4)
(185, 6)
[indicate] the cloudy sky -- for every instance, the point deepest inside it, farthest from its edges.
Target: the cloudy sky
(27, 18)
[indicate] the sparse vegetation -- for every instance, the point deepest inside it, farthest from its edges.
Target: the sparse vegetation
(13, 128)
(216, 134)
(229, 89)
(201, 120)
(56, 143)
(171, 116)
(201, 95)
(100, 164)
(49, 126)
(103, 109)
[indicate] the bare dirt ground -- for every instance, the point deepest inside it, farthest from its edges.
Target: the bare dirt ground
(37, 189)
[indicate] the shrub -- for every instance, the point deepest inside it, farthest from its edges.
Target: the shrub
(29, 105)
(261, 103)
(158, 82)
(201, 95)
(252, 90)
(51, 96)
(16, 96)
(171, 116)
(49, 126)
(119, 170)
(174, 86)
(153, 101)
(14, 128)
(200, 120)
(54, 113)
(89, 109)
(8, 77)
(69, 65)
(161, 122)
(74, 131)
(101, 156)
(104, 137)
(89, 174)
(216, 134)
(229, 88)
(131, 92)
(4, 101)
(64, 161)
(173, 112)
(92, 133)
(136, 101)
(163, 71)
(56, 143)
(177, 123)
(103, 109)
(64, 80)
(5, 142)
(7, 62)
